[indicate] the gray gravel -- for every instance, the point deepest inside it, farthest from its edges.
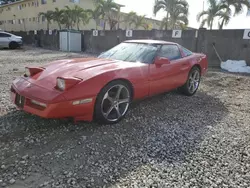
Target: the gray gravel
(165, 141)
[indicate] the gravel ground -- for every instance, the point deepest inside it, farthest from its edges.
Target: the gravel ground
(166, 141)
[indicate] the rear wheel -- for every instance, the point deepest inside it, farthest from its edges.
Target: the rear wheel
(113, 102)
(192, 83)
(13, 45)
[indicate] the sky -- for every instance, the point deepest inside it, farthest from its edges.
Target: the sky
(145, 7)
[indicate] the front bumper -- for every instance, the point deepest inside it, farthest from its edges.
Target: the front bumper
(20, 43)
(64, 109)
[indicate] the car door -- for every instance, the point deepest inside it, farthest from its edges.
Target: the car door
(4, 40)
(163, 78)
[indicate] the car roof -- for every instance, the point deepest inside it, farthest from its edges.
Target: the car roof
(150, 41)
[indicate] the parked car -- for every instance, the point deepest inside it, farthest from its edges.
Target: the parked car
(103, 88)
(8, 40)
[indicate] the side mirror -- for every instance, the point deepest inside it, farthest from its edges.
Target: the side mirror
(159, 61)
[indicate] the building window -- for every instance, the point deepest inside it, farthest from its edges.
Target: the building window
(30, 19)
(34, 19)
(43, 19)
(43, 2)
(74, 1)
(32, 3)
(19, 7)
(36, 4)
(53, 1)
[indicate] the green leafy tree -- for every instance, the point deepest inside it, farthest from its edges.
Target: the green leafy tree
(215, 10)
(129, 19)
(140, 21)
(95, 14)
(48, 16)
(229, 5)
(57, 17)
(106, 7)
(179, 17)
(169, 6)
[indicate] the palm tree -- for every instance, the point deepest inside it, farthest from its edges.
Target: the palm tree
(224, 18)
(67, 17)
(169, 6)
(165, 23)
(57, 17)
(228, 5)
(129, 18)
(78, 14)
(139, 21)
(48, 16)
(95, 14)
(179, 17)
(215, 10)
(105, 7)
(237, 4)
(113, 17)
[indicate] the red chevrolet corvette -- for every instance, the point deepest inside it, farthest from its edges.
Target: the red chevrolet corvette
(103, 88)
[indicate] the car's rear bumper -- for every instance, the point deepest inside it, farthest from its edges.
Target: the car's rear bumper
(65, 109)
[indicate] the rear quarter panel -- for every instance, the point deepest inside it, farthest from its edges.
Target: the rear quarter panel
(203, 62)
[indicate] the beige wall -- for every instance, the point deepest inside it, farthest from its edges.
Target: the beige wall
(25, 15)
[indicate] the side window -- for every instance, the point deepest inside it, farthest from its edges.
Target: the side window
(3, 35)
(186, 52)
(170, 51)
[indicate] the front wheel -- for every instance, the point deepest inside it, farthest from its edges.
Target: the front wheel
(113, 102)
(192, 83)
(13, 45)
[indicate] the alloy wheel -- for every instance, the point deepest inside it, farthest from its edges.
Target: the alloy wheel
(194, 80)
(115, 103)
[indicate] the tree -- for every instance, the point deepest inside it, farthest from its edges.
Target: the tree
(129, 19)
(113, 17)
(139, 21)
(237, 5)
(78, 14)
(57, 17)
(224, 18)
(179, 17)
(228, 5)
(94, 14)
(48, 16)
(215, 10)
(106, 7)
(169, 6)
(67, 17)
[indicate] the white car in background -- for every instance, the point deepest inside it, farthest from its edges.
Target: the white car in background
(8, 40)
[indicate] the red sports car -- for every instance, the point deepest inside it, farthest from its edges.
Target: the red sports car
(103, 88)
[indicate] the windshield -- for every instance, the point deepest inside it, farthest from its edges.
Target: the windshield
(132, 52)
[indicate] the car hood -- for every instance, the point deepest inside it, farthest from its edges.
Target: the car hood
(18, 37)
(83, 68)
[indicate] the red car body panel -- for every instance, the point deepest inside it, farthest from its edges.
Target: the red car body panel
(94, 74)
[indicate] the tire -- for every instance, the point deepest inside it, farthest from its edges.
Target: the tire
(187, 89)
(110, 97)
(13, 45)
